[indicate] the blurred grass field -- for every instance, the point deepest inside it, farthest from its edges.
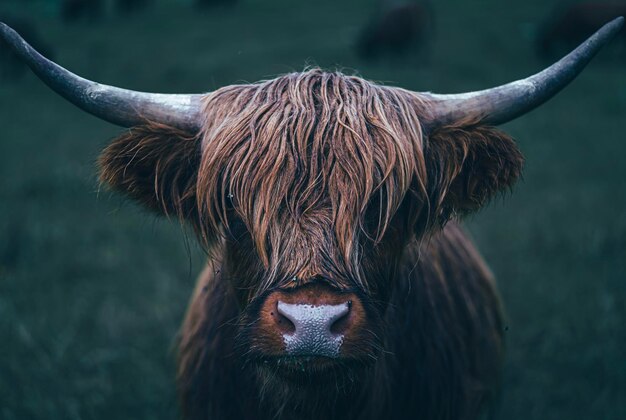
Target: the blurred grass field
(93, 289)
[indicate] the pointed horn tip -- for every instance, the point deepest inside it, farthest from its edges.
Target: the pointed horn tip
(612, 27)
(118, 106)
(617, 21)
(450, 107)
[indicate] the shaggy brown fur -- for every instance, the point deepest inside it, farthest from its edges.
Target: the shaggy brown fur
(441, 359)
(312, 146)
(157, 166)
(322, 177)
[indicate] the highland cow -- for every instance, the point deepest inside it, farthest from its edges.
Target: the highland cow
(94, 10)
(570, 25)
(396, 28)
(338, 284)
(131, 6)
(207, 4)
(82, 10)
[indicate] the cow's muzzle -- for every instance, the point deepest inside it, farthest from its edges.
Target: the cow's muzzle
(317, 330)
(314, 320)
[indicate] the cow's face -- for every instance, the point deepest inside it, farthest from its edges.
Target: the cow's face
(310, 188)
(306, 177)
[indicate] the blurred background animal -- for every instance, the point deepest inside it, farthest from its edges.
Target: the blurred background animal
(93, 10)
(568, 25)
(396, 28)
(82, 10)
(207, 4)
(131, 6)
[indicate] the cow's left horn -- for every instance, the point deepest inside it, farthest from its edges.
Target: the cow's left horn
(507, 102)
(118, 106)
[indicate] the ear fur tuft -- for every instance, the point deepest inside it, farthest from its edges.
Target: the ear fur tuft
(467, 167)
(156, 165)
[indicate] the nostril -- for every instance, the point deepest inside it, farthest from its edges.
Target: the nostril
(285, 325)
(342, 320)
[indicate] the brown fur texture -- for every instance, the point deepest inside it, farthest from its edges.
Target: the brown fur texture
(468, 167)
(322, 178)
(441, 359)
(270, 153)
(156, 166)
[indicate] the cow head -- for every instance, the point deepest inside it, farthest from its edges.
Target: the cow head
(308, 188)
(311, 185)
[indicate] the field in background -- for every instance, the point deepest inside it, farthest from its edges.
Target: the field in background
(92, 289)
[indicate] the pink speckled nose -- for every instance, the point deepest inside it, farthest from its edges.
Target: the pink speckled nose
(316, 329)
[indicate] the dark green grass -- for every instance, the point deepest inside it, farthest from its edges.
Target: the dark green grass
(92, 289)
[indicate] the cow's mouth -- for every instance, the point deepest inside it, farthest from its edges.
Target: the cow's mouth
(311, 363)
(299, 368)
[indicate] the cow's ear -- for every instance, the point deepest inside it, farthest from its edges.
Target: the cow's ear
(155, 165)
(469, 166)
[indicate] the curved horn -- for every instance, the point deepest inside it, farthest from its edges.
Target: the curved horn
(122, 107)
(504, 103)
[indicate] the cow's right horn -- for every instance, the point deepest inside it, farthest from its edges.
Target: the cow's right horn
(504, 103)
(122, 107)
